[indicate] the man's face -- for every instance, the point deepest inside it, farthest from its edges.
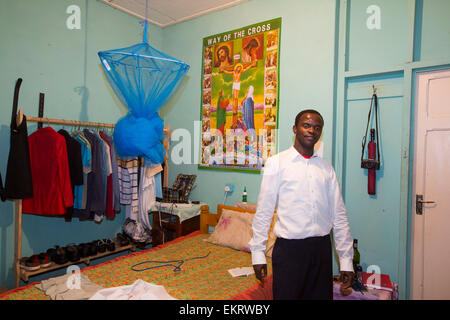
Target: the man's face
(222, 55)
(308, 129)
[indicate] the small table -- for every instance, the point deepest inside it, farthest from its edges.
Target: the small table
(177, 219)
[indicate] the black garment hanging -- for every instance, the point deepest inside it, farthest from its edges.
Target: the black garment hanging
(75, 166)
(18, 183)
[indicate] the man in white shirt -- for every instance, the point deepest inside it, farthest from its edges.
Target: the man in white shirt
(305, 190)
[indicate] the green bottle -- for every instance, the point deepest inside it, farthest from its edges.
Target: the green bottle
(244, 195)
(356, 257)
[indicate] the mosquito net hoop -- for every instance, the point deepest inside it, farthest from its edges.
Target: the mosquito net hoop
(143, 79)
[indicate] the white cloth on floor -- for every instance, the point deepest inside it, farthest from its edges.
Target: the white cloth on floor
(71, 286)
(139, 290)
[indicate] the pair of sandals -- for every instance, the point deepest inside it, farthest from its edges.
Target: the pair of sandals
(36, 262)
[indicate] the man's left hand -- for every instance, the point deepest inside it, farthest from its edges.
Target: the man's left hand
(346, 278)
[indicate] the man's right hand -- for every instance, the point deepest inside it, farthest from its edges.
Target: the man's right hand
(260, 272)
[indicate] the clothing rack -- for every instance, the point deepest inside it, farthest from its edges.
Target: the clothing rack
(70, 122)
(20, 273)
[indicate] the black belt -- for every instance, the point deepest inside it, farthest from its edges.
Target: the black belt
(309, 239)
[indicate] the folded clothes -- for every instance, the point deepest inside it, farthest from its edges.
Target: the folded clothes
(139, 290)
(71, 286)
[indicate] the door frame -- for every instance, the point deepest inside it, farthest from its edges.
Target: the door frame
(415, 265)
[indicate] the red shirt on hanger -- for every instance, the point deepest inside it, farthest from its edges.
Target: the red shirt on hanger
(52, 191)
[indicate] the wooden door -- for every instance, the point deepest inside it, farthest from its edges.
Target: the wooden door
(430, 214)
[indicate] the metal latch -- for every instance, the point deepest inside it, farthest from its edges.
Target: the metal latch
(419, 203)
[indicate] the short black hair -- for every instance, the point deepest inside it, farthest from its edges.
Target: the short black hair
(299, 115)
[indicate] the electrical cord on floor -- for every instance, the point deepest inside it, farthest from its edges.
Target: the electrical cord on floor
(177, 267)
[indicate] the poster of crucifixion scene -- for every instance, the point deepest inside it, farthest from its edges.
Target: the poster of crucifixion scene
(240, 88)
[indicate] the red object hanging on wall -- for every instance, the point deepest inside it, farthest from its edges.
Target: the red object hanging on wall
(372, 163)
(372, 175)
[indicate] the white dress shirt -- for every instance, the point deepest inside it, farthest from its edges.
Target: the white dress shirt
(309, 204)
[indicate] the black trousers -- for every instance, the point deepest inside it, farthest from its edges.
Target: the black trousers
(302, 269)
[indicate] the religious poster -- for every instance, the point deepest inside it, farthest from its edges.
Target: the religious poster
(240, 88)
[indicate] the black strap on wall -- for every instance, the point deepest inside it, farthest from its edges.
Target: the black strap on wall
(41, 108)
(374, 99)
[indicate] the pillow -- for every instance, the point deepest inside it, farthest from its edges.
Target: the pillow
(234, 230)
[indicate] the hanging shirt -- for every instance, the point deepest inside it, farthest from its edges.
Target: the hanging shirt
(115, 172)
(95, 203)
(75, 165)
(109, 207)
(309, 205)
(74, 156)
(79, 198)
(18, 181)
(52, 191)
(128, 179)
(86, 169)
(80, 136)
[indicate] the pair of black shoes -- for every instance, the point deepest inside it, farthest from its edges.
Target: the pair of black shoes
(63, 255)
(58, 255)
(105, 245)
(74, 253)
(95, 247)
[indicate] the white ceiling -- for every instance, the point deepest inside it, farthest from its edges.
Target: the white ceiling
(165, 13)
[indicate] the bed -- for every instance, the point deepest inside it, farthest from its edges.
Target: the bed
(199, 279)
(204, 273)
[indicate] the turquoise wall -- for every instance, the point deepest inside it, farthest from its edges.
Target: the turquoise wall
(413, 35)
(329, 61)
(306, 79)
(36, 45)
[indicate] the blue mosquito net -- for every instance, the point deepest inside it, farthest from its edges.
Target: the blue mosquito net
(143, 79)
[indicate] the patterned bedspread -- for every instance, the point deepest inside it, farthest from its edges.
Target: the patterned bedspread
(204, 279)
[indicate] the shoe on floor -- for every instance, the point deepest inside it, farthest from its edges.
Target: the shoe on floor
(72, 253)
(110, 245)
(44, 260)
(60, 256)
(30, 263)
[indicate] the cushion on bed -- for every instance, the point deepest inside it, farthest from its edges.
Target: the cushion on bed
(234, 230)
